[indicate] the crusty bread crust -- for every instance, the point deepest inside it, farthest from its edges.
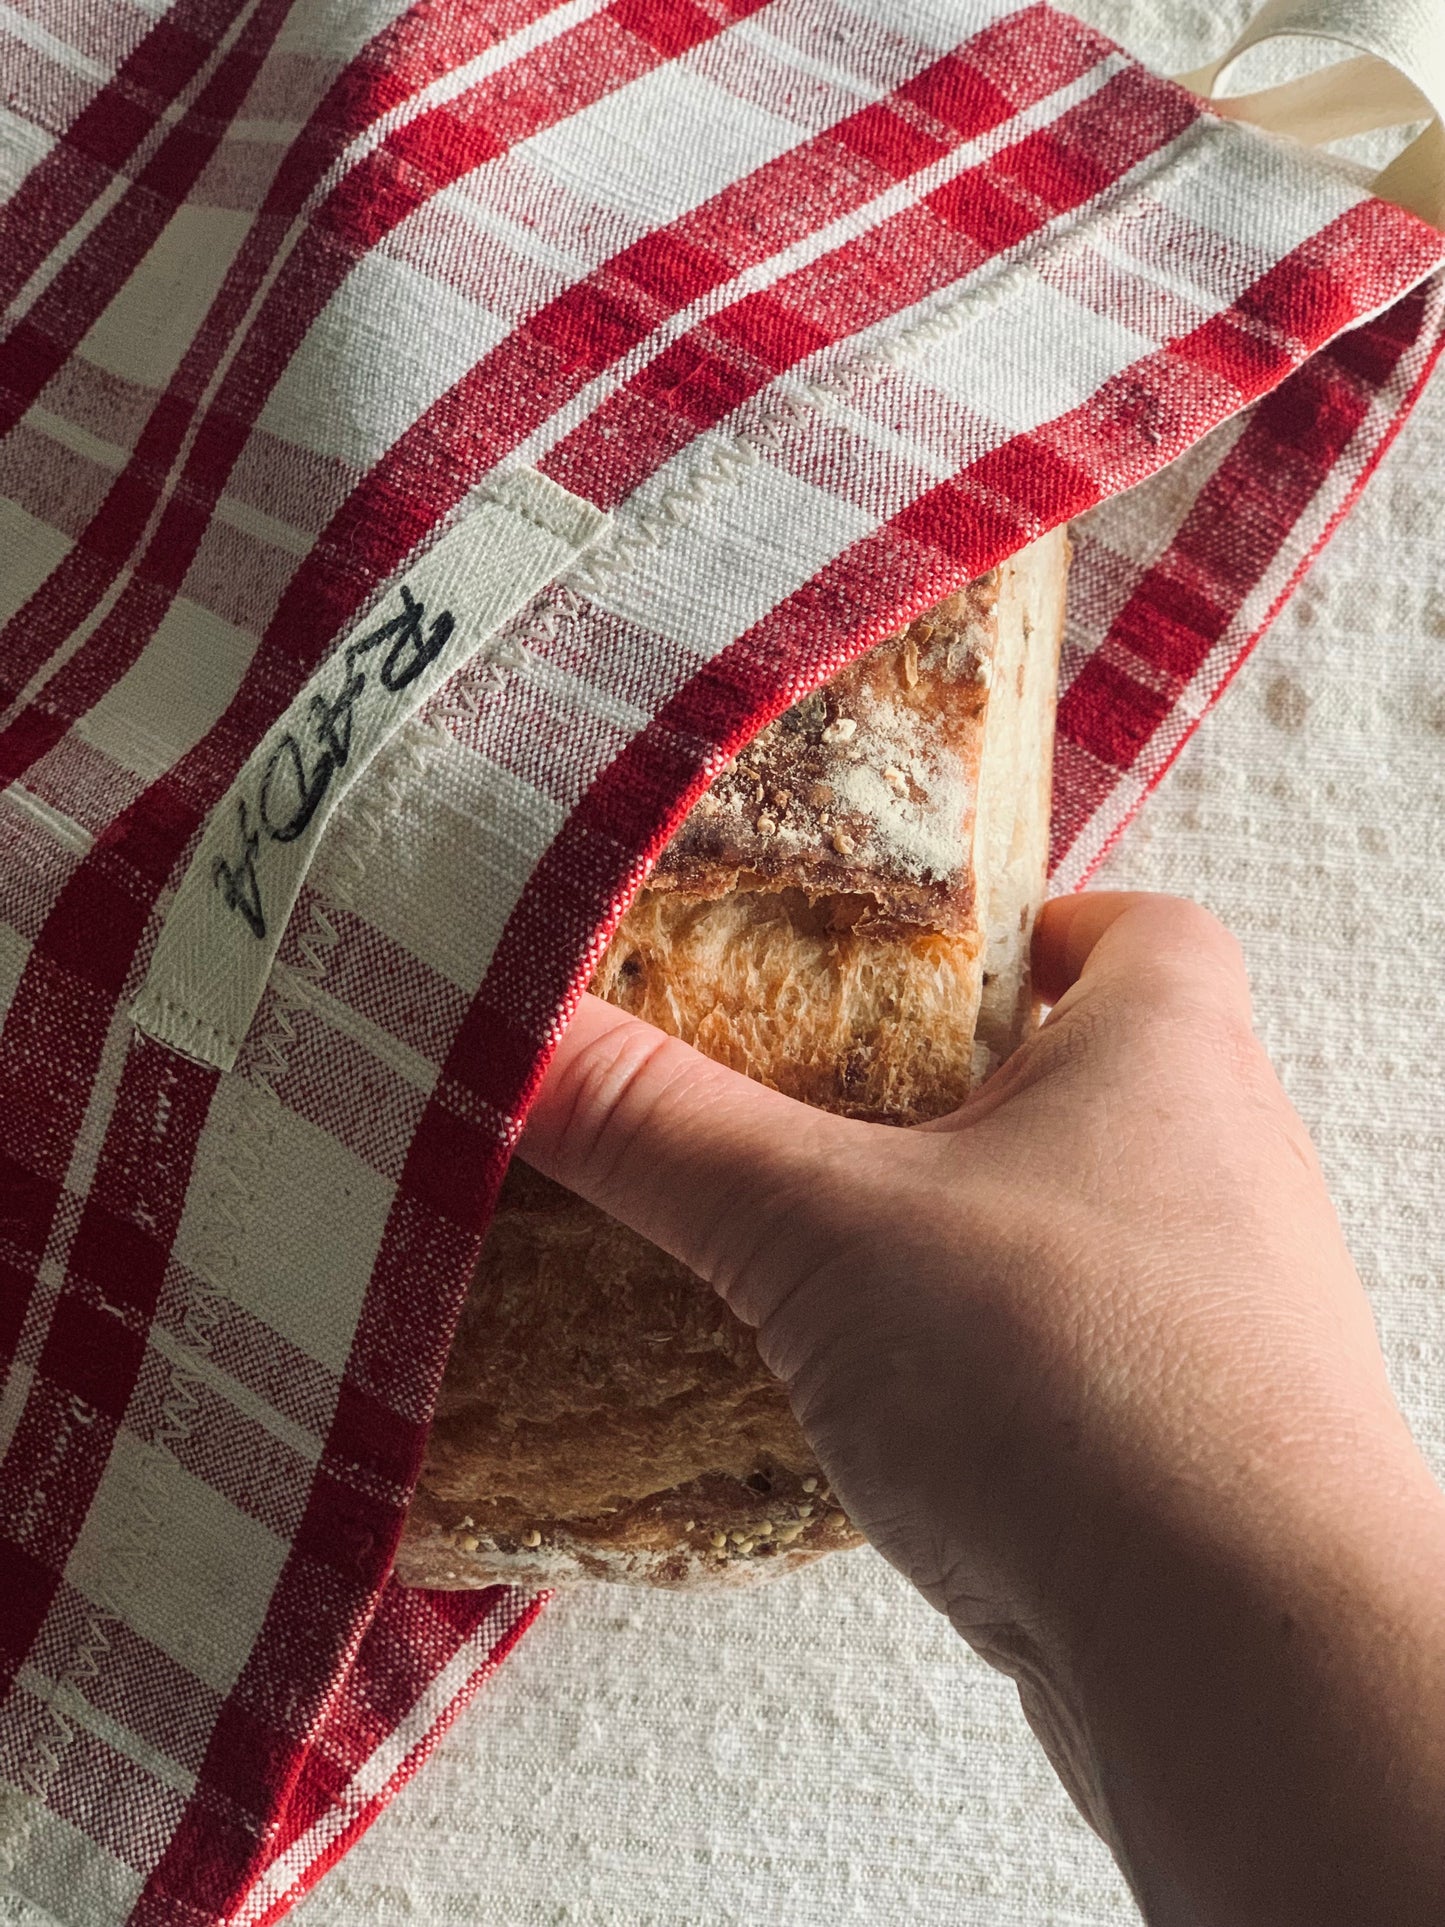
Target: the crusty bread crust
(845, 917)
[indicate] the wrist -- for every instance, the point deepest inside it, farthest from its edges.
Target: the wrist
(1256, 1713)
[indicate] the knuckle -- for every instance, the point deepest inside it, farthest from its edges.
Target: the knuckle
(610, 1087)
(1076, 1035)
(1193, 952)
(1183, 973)
(1169, 1027)
(1185, 998)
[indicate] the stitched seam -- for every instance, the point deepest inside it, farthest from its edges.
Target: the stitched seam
(501, 497)
(183, 1021)
(242, 1162)
(737, 450)
(42, 1765)
(341, 860)
(525, 515)
(185, 999)
(485, 674)
(731, 453)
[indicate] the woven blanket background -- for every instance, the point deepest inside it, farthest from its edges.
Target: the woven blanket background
(827, 1753)
(60, 1754)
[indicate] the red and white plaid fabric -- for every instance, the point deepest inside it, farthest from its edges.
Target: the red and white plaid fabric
(829, 305)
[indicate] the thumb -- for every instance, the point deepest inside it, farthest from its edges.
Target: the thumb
(701, 1160)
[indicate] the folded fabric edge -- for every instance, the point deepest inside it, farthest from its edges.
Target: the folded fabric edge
(964, 533)
(1115, 743)
(319, 1826)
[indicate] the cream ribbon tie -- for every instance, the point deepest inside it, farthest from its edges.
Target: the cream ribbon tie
(1393, 76)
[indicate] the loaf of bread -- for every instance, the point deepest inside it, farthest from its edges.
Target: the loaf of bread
(845, 915)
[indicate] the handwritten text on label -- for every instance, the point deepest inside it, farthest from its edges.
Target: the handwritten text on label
(297, 774)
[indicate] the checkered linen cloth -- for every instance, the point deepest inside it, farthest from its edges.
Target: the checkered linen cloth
(826, 305)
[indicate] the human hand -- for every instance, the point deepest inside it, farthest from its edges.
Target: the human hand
(1089, 1362)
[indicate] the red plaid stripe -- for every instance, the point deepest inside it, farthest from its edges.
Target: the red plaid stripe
(61, 315)
(153, 69)
(1196, 612)
(416, 1641)
(415, 162)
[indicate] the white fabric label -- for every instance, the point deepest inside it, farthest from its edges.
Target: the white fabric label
(220, 938)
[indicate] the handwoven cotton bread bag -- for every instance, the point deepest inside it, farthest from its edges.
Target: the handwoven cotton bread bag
(436, 436)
